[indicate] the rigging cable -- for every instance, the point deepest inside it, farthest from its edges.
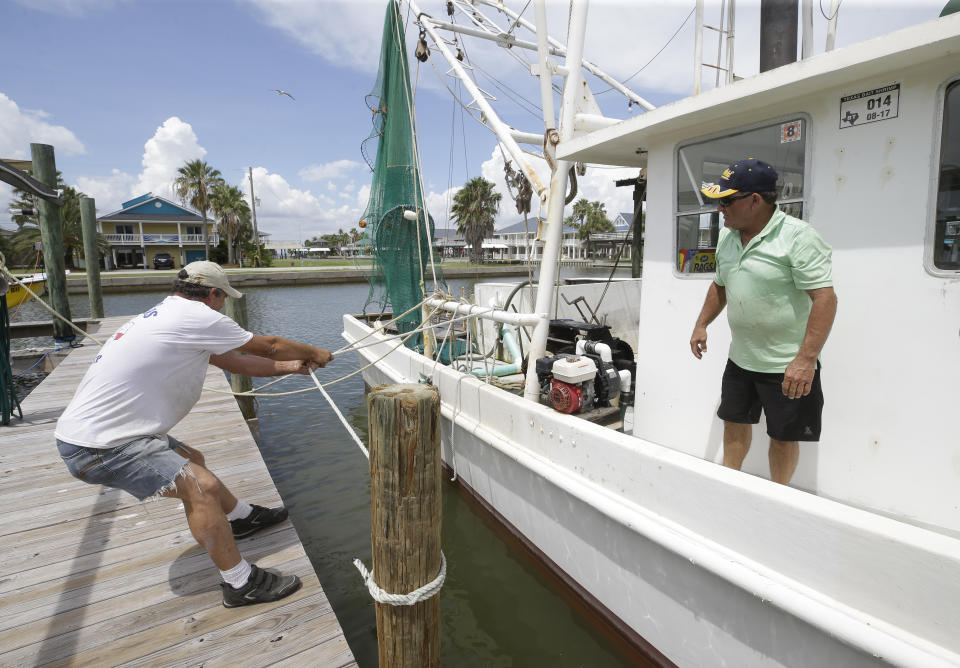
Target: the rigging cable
(672, 37)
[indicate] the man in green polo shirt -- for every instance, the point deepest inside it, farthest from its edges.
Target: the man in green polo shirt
(774, 277)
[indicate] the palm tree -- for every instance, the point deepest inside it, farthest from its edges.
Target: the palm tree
(194, 183)
(230, 206)
(25, 239)
(589, 218)
(474, 208)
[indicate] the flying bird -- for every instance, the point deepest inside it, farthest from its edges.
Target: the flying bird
(283, 92)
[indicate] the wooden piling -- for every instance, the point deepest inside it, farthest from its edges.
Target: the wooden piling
(91, 255)
(236, 309)
(405, 479)
(51, 234)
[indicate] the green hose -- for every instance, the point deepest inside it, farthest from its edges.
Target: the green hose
(8, 393)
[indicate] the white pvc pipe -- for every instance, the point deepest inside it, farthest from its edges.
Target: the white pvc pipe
(806, 45)
(730, 35)
(832, 24)
(698, 48)
(545, 74)
(508, 317)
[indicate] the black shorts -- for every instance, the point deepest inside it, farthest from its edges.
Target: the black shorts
(745, 392)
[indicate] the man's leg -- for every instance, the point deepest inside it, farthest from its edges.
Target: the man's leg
(201, 493)
(244, 519)
(783, 460)
(227, 500)
(736, 443)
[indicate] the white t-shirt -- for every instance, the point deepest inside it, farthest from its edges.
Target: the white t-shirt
(149, 374)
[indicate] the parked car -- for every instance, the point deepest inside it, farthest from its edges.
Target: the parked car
(163, 261)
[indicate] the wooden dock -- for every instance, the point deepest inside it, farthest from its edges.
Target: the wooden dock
(89, 576)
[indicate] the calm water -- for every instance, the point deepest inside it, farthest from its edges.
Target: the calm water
(498, 608)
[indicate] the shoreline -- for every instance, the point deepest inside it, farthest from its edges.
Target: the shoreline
(147, 280)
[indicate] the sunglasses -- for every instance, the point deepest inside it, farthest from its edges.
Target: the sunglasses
(727, 201)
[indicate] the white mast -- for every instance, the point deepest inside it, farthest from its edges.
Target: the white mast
(558, 188)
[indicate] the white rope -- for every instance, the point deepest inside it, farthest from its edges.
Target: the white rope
(33, 294)
(353, 434)
(419, 594)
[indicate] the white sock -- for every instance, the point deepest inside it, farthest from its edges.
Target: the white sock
(237, 576)
(241, 511)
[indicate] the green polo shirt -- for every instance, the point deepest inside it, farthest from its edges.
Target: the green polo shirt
(766, 284)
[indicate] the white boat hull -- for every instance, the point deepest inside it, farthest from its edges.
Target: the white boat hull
(703, 563)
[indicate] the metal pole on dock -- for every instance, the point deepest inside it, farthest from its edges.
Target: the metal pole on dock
(405, 530)
(51, 234)
(236, 309)
(91, 255)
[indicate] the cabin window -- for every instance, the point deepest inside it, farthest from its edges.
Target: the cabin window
(782, 144)
(946, 249)
(194, 229)
(124, 229)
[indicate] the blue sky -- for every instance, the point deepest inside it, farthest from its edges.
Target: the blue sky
(127, 90)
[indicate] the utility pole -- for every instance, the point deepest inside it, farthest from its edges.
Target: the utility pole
(253, 208)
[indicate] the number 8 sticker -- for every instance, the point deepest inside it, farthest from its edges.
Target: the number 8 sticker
(790, 132)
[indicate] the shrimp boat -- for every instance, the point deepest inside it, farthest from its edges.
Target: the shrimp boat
(857, 561)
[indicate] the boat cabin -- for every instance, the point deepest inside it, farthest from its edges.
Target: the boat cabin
(867, 144)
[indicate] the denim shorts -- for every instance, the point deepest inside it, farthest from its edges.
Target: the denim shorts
(144, 467)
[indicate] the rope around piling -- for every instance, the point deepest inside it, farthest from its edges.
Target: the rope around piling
(419, 594)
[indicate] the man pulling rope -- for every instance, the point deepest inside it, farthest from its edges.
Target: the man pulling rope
(145, 380)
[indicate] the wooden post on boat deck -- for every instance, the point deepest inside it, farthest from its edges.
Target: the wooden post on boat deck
(91, 255)
(236, 309)
(51, 234)
(405, 532)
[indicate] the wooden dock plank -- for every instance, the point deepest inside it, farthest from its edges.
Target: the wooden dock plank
(91, 576)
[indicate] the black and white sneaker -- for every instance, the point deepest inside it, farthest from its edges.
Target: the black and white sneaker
(262, 587)
(260, 518)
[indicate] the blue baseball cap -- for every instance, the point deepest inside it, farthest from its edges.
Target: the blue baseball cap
(750, 176)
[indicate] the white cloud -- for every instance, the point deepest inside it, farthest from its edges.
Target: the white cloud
(173, 144)
(21, 127)
(343, 33)
(289, 213)
(330, 170)
(108, 191)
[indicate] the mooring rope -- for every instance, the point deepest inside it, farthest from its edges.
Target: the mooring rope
(347, 426)
(419, 594)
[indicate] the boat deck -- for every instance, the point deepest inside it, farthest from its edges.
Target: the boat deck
(91, 576)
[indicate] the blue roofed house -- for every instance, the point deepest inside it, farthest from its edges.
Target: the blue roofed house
(150, 224)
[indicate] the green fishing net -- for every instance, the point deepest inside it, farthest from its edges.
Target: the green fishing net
(401, 248)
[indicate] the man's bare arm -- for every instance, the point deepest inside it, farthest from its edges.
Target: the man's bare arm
(714, 303)
(257, 367)
(278, 348)
(798, 376)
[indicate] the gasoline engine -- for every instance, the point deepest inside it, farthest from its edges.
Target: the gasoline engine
(588, 376)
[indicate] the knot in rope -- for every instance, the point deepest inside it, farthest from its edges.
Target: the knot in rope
(419, 594)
